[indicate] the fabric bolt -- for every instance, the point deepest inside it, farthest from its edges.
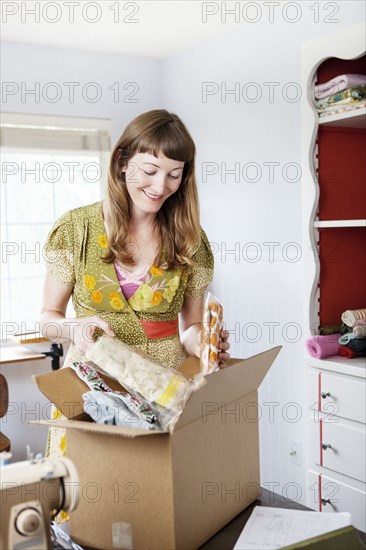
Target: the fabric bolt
(329, 329)
(339, 83)
(323, 346)
(107, 408)
(358, 345)
(350, 317)
(345, 338)
(359, 331)
(345, 351)
(360, 322)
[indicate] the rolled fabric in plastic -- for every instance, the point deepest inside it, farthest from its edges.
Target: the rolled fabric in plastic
(351, 316)
(345, 338)
(323, 346)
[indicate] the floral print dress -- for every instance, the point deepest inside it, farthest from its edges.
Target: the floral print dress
(74, 250)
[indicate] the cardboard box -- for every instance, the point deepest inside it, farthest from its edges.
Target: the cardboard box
(155, 490)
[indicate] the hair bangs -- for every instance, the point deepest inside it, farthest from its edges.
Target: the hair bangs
(169, 140)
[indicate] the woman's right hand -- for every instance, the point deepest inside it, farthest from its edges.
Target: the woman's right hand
(83, 332)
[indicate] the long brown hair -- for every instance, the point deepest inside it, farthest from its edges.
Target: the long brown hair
(177, 221)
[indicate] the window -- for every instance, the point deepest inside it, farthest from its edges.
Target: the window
(49, 165)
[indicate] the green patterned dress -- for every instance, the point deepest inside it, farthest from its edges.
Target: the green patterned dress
(73, 251)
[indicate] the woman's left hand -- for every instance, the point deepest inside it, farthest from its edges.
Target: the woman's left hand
(224, 346)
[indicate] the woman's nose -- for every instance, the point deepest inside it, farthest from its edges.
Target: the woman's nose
(159, 184)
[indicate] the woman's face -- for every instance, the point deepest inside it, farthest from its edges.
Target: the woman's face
(151, 180)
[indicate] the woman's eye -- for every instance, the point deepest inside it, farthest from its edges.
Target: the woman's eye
(175, 177)
(149, 173)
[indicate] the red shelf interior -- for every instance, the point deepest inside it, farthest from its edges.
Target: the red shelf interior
(342, 173)
(342, 177)
(334, 67)
(342, 272)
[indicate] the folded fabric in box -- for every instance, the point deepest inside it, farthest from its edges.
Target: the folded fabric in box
(137, 373)
(323, 346)
(108, 408)
(92, 379)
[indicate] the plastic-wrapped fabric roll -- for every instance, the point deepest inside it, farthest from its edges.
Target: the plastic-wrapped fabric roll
(323, 346)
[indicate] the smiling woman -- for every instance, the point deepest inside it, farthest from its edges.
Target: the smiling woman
(149, 222)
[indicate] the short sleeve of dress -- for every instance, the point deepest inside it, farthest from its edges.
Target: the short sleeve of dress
(201, 273)
(58, 250)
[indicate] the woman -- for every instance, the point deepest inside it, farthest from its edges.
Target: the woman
(135, 261)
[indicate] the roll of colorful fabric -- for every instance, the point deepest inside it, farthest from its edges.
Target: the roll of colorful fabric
(323, 346)
(351, 316)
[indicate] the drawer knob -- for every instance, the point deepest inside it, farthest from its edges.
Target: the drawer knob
(326, 446)
(326, 501)
(325, 394)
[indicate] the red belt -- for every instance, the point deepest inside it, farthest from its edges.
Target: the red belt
(160, 329)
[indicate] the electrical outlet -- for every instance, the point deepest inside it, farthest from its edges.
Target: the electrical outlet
(295, 452)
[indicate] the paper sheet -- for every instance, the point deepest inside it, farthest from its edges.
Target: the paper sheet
(270, 528)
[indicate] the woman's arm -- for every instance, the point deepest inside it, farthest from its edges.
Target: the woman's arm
(56, 327)
(190, 328)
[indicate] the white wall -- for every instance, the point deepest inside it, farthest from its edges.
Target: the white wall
(257, 295)
(27, 64)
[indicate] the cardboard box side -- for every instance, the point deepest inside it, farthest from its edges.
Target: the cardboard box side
(216, 471)
(225, 386)
(86, 425)
(126, 491)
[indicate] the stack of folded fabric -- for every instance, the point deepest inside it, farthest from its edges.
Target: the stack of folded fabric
(348, 339)
(353, 344)
(343, 93)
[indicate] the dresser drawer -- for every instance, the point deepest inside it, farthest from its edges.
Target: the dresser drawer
(339, 447)
(326, 494)
(340, 396)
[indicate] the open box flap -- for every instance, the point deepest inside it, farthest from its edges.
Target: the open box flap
(64, 388)
(241, 377)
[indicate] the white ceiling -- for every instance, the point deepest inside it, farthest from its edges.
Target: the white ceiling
(162, 28)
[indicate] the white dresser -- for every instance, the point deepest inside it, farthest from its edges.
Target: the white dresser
(334, 237)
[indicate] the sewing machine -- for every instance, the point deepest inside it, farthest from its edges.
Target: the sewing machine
(32, 493)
